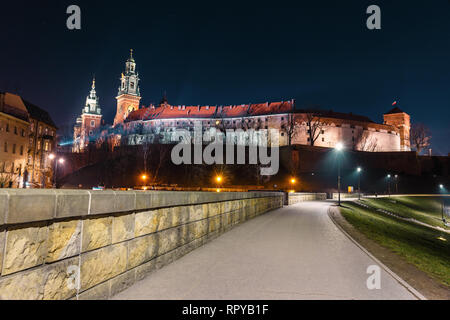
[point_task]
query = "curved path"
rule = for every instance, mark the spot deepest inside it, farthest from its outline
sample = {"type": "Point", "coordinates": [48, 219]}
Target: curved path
{"type": "Point", "coordinates": [295, 252]}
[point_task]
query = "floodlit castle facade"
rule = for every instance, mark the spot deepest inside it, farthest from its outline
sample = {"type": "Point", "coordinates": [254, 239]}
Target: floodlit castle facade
{"type": "Point", "coordinates": [245, 123]}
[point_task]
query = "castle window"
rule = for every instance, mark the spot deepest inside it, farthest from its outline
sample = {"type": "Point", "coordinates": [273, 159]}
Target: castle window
{"type": "Point", "coordinates": [323, 139]}
{"type": "Point", "coordinates": [21, 150]}
{"type": "Point", "coordinates": [90, 132]}
{"type": "Point", "coordinates": [15, 130]}
{"type": "Point", "coordinates": [282, 118]}
{"type": "Point", "coordinates": [92, 123]}
{"type": "Point", "coordinates": [23, 133]}
{"type": "Point", "coordinates": [132, 85]}
{"type": "Point", "coordinates": [7, 127]}
{"type": "Point", "coordinates": [14, 148]}
{"type": "Point", "coordinates": [323, 131]}
{"type": "Point", "coordinates": [6, 147]}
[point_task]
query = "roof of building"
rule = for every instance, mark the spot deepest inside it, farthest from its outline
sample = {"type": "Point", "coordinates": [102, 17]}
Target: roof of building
{"type": "Point", "coordinates": [13, 105]}
{"type": "Point", "coordinates": [395, 110]}
{"type": "Point", "coordinates": [166, 111]}
{"type": "Point", "coordinates": [339, 115]}
{"type": "Point", "coordinates": [38, 113]}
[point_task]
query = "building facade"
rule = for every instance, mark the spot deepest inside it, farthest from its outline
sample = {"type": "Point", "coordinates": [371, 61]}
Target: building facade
{"type": "Point", "coordinates": [27, 137]}
{"type": "Point", "coordinates": [41, 143]}
{"type": "Point", "coordinates": [246, 123]}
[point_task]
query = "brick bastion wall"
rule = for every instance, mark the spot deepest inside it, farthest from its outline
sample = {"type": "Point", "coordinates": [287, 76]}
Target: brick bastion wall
{"type": "Point", "coordinates": [77, 244]}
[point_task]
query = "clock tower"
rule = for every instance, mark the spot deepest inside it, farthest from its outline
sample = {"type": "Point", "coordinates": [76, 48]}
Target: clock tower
{"type": "Point", "coordinates": [129, 96]}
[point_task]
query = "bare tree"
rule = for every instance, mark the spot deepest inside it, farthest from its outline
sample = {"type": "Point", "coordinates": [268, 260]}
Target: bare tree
{"type": "Point", "coordinates": [363, 141]}
{"type": "Point", "coordinates": [315, 125]}
{"type": "Point", "coordinates": [419, 136]}
{"type": "Point", "coordinates": [291, 128]}
{"type": "Point", "coordinates": [146, 147]}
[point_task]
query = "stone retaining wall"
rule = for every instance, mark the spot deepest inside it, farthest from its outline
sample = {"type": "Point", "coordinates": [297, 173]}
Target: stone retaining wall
{"type": "Point", "coordinates": [110, 239]}
{"type": "Point", "coordinates": [299, 197]}
{"type": "Point", "coordinates": [346, 195]}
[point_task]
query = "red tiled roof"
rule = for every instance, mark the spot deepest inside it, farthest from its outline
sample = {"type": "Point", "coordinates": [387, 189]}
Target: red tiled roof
{"type": "Point", "coordinates": [235, 111]}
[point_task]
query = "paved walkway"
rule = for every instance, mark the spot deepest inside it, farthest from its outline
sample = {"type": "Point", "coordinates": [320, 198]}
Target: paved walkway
{"type": "Point", "coordinates": [291, 253]}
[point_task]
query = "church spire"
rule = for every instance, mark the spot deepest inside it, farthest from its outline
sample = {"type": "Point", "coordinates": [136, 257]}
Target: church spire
{"type": "Point", "coordinates": [129, 81]}
{"type": "Point", "coordinates": [93, 82]}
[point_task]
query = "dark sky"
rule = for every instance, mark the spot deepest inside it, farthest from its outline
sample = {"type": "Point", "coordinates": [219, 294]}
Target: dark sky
{"type": "Point", "coordinates": [223, 52]}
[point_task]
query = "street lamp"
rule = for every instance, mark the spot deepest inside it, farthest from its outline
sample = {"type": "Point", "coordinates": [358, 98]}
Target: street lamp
{"type": "Point", "coordinates": [58, 161]}
{"type": "Point", "coordinates": [389, 185]}
{"type": "Point", "coordinates": [441, 190]}
{"type": "Point", "coordinates": [396, 183]}
{"type": "Point", "coordinates": [359, 182]}
{"type": "Point", "coordinates": [339, 147]}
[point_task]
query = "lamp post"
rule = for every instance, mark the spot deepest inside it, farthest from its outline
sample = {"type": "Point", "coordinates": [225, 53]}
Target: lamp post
{"type": "Point", "coordinates": [144, 178]}
{"type": "Point", "coordinates": [359, 182]}
{"type": "Point", "coordinates": [339, 147]}
{"type": "Point", "coordinates": [389, 185]}
{"type": "Point", "coordinates": [396, 183]}
{"type": "Point", "coordinates": [441, 189]}
{"type": "Point", "coordinates": [61, 161]}
{"type": "Point", "coordinates": [219, 180]}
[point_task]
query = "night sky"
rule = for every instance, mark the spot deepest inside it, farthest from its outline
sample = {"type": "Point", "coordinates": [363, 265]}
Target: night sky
{"type": "Point", "coordinates": [224, 52]}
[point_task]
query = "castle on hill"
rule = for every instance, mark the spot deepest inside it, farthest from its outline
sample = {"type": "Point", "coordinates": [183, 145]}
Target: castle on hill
{"type": "Point", "coordinates": [135, 124]}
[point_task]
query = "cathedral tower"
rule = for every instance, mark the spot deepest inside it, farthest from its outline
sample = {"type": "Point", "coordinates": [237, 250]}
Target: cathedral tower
{"type": "Point", "coordinates": [129, 96]}
{"type": "Point", "coordinates": [88, 124]}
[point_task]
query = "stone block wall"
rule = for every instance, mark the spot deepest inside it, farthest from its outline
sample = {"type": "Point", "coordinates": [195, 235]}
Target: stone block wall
{"type": "Point", "coordinates": [346, 195]}
{"type": "Point", "coordinates": [300, 197]}
{"type": "Point", "coordinates": [73, 244]}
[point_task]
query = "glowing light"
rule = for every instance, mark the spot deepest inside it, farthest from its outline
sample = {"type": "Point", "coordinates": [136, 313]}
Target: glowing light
{"type": "Point", "coordinates": [293, 180]}
{"type": "Point", "coordinates": [388, 175]}
{"type": "Point", "coordinates": [217, 122]}
{"type": "Point", "coordinates": [339, 146]}
{"type": "Point", "coordinates": [61, 160]}
{"type": "Point", "coordinates": [441, 186]}
{"type": "Point", "coordinates": [359, 169]}
{"type": "Point", "coordinates": [219, 179]}
{"type": "Point", "coordinates": [442, 238]}
{"type": "Point", "coordinates": [144, 177]}
{"type": "Point", "coordinates": [51, 156]}
{"type": "Point", "coordinates": [217, 190]}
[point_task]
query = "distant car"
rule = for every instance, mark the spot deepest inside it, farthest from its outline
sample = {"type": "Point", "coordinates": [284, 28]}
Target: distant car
{"type": "Point", "coordinates": [98, 188]}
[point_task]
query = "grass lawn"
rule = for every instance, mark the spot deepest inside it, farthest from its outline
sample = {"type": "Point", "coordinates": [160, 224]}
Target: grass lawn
{"type": "Point", "coordinates": [416, 244]}
{"type": "Point", "coordinates": [424, 209]}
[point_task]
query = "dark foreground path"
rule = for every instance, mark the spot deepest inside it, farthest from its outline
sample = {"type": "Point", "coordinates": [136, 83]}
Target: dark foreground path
{"type": "Point", "coordinates": [291, 253]}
